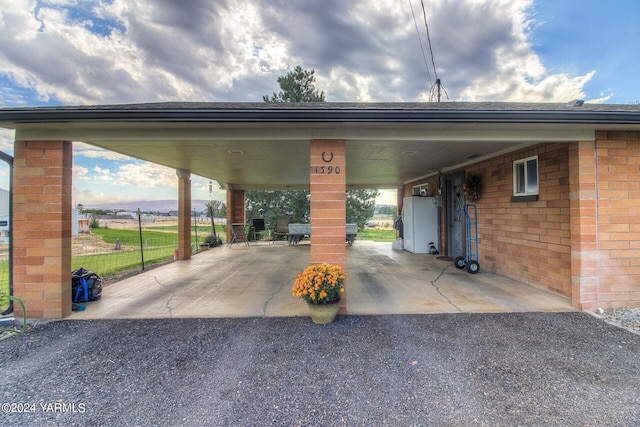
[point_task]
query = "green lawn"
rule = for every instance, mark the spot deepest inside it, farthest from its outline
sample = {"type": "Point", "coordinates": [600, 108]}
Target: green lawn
{"type": "Point", "coordinates": [377, 235]}
{"type": "Point", "coordinates": [221, 229]}
{"type": "Point", "coordinates": [117, 261]}
{"type": "Point", "coordinates": [154, 238]}
{"type": "Point", "coordinates": [132, 237]}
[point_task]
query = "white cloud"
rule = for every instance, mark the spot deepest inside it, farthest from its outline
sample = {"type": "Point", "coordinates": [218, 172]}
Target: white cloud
{"type": "Point", "coordinates": [145, 176]}
{"type": "Point", "coordinates": [80, 173]}
{"type": "Point", "coordinates": [81, 149]}
{"type": "Point", "coordinates": [6, 140]}
{"type": "Point", "coordinates": [233, 50]}
{"type": "Point", "coordinates": [101, 174]}
{"type": "Point", "coordinates": [119, 51]}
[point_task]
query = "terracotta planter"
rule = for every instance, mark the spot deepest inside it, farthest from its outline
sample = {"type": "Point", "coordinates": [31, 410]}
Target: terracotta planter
{"type": "Point", "coordinates": [324, 313]}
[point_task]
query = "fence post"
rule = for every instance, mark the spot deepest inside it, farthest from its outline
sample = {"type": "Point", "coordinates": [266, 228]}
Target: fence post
{"type": "Point", "coordinates": [140, 231]}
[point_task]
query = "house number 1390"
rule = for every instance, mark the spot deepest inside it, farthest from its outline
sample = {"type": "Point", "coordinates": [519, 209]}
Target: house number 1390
{"type": "Point", "coordinates": [328, 170]}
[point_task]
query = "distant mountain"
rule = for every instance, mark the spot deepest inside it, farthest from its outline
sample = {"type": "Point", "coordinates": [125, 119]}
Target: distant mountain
{"type": "Point", "coordinates": [161, 206]}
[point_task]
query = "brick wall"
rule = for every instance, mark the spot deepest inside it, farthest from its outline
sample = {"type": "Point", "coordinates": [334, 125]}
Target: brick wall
{"type": "Point", "coordinates": [527, 241]}
{"type": "Point", "coordinates": [618, 211]}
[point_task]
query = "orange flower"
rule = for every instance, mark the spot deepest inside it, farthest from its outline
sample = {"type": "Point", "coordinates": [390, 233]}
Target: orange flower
{"type": "Point", "coordinates": [319, 283]}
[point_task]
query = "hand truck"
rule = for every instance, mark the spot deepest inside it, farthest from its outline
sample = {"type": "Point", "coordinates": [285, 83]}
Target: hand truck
{"type": "Point", "coordinates": [471, 260]}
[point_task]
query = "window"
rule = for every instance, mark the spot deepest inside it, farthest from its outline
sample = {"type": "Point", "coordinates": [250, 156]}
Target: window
{"type": "Point", "coordinates": [525, 177]}
{"type": "Point", "coordinates": [421, 190]}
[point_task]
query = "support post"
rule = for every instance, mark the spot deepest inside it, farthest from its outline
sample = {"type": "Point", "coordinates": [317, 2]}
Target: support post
{"type": "Point", "coordinates": [328, 205]}
{"type": "Point", "coordinates": [184, 214]}
{"type": "Point", "coordinates": [41, 227]}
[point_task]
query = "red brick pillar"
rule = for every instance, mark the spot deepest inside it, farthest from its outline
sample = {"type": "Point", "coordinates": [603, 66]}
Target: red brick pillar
{"type": "Point", "coordinates": [41, 227]}
{"type": "Point", "coordinates": [328, 205]}
{"type": "Point", "coordinates": [583, 223]}
{"type": "Point", "coordinates": [184, 214]}
{"type": "Point", "coordinates": [618, 180]}
{"type": "Point", "coordinates": [236, 209]}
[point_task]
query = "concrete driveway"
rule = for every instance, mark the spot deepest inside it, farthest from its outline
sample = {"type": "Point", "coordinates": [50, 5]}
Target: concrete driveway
{"type": "Point", "coordinates": [256, 281]}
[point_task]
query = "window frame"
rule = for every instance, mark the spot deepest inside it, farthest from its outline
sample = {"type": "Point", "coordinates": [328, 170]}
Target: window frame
{"type": "Point", "coordinates": [422, 190]}
{"type": "Point", "coordinates": [523, 163]}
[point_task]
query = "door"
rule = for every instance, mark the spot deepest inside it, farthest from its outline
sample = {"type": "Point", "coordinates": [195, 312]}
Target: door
{"type": "Point", "coordinates": [455, 215]}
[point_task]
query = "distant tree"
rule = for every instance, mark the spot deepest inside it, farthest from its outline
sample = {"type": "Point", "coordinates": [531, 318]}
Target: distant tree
{"type": "Point", "coordinates": [219, 209]}
{"type": "Point", "coordinates": [388, 210]}
{"type": "Point", "coordinates": [360, 206]}
{"type": "Point", "coordinates": [215, 209]}
{"type": "Point", "coordinates": [294, 203]}
{"type": "Point", "coordinates": [94, 222]}
{"type": "Point", "coordinates": [297, 86]}
{"type": "Point", "coordinates": [97, 212]}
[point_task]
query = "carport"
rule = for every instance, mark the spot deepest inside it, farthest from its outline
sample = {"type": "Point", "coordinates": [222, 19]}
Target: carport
{"type": "Point", "coordinates": [256, 281]}
{"type": "Point", "coordinates": [330, 147]}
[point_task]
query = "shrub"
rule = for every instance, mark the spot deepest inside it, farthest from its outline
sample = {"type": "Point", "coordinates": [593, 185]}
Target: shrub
{"type": "Point", "coordinates": [213, 241]}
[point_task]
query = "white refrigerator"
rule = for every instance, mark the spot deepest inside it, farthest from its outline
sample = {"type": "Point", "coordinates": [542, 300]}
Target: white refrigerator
{"type": "Point", "coordinates": [420, 224]}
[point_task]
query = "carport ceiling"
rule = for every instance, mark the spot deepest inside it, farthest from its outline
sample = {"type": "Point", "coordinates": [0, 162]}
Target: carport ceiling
{"type": "Point", "coordinates": [266, 146]}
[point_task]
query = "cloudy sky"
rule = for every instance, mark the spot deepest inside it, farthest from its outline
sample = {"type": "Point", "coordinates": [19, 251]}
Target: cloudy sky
{"type": "Point", "coordinates": [73, 52]}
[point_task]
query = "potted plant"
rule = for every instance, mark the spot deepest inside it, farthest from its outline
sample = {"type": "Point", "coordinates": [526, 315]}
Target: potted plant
{"type": "Point", "coordinates": [320, 286]}
{"type": "Point", "coordinates": [471, 187]}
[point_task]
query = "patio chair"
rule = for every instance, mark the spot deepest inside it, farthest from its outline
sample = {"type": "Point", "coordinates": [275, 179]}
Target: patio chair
{"type": "Point", "coordinates": [281, 231]}
{"type": "Point", "coordinates": [258, 227]}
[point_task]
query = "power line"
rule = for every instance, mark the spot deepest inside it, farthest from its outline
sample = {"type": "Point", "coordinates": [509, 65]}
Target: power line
{"type": "Point", "coordinates": [424, 14]}
{"type": "Point", "coordinates": [437, 89]}
{"type": "Point", "coordinates": [424, 56]}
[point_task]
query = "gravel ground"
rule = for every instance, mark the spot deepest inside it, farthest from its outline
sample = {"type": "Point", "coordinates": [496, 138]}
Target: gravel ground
{"type": "Point", "coordinates": [625, 317]}
{"type": "Point", "coordinates": [568, 369]}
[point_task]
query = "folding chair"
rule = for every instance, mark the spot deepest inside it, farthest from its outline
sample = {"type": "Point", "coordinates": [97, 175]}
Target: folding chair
{"type": "Point", "coordinates": [282, 228]}
{"type": "Point", "coordinates": [238, 234]}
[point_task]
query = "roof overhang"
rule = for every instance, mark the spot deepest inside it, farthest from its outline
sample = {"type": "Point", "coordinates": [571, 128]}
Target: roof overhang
{"type": "Point", "coordinates": [266, 146]}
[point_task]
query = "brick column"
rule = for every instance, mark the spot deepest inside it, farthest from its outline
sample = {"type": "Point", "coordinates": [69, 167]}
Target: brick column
{"type": "Point", "coordinates": [583, 223]}
{"type": "Point", "coordinates": [618, 180]}
{"type": "Point", "coordinates": [41, 227]}
{"type": "Point", "coordinates": [236, 209]}
{"type": "Point", "coordinates": [328, 205]}
{"type": "Point", "coordinates": [184, 214]}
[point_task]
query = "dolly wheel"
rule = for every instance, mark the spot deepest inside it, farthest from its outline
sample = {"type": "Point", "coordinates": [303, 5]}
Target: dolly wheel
{"type": "Point", "coordinates": [473, 267]}
{"type": "Point", "coordinates": [460, 262]}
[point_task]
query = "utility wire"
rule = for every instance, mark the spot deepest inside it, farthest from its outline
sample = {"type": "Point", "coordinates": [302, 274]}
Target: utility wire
{"type": "Point", "coordinates": [424, 14]}
{"type": "Point", "coordinates": [424, 56]}
{"type": "Point", "coordinates": [437, 88]}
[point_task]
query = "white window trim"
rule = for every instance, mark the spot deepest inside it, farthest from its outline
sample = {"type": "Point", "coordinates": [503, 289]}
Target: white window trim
{"type": "Point", "coordinates": [421, 190]}
{"type": "Point", "coordinates": [515, 176]}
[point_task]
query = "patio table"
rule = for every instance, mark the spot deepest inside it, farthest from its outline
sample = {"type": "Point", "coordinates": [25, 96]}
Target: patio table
{"type": "Point", "coordinates": [298, 231]}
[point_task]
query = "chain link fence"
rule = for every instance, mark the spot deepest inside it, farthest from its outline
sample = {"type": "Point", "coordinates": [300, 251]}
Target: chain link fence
{"type": "Point", "coordinates": [122, 247]}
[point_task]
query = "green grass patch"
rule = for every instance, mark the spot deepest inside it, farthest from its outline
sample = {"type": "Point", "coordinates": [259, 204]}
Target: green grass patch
{"type": "Point", "coordinates": [221, 229]}
{"type": "Point", "coordinates": [132, 237]}
{"type": "Point", "coordinates": [117, 261]}
{"type": "Point", "coordinates": [377, 235]}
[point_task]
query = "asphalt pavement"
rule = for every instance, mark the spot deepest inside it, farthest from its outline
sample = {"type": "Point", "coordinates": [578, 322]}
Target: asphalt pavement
{"type": "Point", "coordinates": [568, 369]}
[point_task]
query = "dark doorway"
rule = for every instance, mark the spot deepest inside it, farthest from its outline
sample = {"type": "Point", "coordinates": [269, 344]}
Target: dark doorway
{"type": "Point", "coordinates": [454, 218]}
